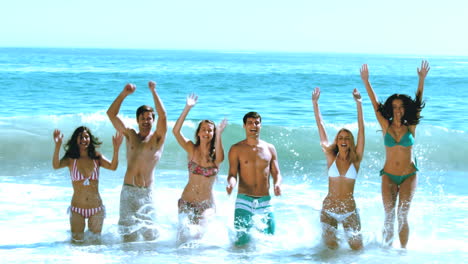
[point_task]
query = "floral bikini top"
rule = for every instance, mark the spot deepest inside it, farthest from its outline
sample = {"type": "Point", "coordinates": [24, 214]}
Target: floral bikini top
{"type": "Point", "coordinates": [204, 171]}
{"type": "Point", "coordinates": [77, 176]}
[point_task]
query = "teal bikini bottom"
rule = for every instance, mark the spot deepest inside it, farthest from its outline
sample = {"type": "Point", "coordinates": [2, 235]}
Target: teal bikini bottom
{"type": "Point", "coordinates": [397, 179]}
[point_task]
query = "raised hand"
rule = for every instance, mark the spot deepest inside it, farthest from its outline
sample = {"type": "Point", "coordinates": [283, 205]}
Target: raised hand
{"type": "Point", "coordinates": [129, 88]}
{"type": "Point", "coordinates": [192, 100]}
{"type": "Point", "coordinates": [152, 85]}
{"type": "Point", "coordinates": [117, 140]}
{"type": "Point", "coordinates": [356, 95]}
{"type": "Point", "coordinates": [364, 73]}
{"type": "Point", "coordinates": [222, 126]}
{"type": "Point", "coordinates": [58, 137]}
{"type": "Point", "coordinates": [422, 72]}
{"type": "Point", "coordinates": [316, 95]}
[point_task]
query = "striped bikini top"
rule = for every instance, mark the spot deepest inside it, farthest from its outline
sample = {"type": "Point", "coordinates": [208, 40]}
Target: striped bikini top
{"type": "Point", "coordinates": [77, 176]}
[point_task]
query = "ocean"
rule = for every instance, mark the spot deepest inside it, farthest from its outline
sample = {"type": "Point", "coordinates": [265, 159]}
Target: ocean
{"type": "Point", "coordinates": [43, 89]}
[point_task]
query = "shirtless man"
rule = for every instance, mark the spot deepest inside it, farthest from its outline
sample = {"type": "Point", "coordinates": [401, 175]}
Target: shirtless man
{"type": "Point", "coordinates": [144, 149]}
{"type": "Point", "coordinates": [254, 160]}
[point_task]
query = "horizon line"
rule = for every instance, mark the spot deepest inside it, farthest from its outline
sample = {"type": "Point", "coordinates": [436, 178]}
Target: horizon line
{"type": "Point", "coordinates": [240, 51]}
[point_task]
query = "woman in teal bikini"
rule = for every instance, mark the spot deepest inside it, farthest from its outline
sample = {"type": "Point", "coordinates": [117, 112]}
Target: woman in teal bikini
{"type": "Point", "coordinates": [398, 117]}
{"type": "Point", "coordinates": [205, 156]}
{"type": "Point", "coordinates": [343, 162]}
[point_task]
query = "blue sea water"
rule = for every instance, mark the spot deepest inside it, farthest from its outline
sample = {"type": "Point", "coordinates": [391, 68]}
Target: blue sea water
{"type": "Point", "coordinates": [44, 89]}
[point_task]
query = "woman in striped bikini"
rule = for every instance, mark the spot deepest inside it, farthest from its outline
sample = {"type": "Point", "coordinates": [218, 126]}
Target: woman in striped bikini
{"type": "Point", "coordinates": [205, 155]}
{"type": "Point", "coordinates": [398, 117]}
{"type": "Point", "coordinates": [84, 162]}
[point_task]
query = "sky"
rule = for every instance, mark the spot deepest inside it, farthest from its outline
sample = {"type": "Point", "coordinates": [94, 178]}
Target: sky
{"type": "Point", "coordinates": [430, 27]}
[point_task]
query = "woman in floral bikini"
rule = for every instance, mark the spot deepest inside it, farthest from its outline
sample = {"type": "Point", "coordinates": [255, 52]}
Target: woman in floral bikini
{"type": "Point", "coordinates": [205, 156]}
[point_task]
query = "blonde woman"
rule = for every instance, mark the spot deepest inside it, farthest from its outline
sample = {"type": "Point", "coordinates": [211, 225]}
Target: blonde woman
{"type": "Point", "coordinates": [343, 161]}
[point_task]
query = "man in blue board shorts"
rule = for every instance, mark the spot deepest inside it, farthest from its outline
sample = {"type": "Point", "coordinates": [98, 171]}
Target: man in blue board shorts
{"type": "Point", "coordinates": [253, 160]}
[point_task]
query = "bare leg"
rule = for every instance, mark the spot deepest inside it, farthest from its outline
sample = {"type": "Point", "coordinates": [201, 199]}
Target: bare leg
{"type": "Point", "coordinates": [407, 190]}
{"type": "Point", "coordinates": [183, 231]}
{"type": "Point", "coordinates": [389, 196]}
{"type": "Point", "coordinates": [150, 234]}
{"type": "Point", "coordinates": [204, 221]}
{"type": "Point", "coordinates": [95, 222]}
{"type": "Point", "coordinates": [192, 225]}
{"type": "Point", "coordinates": [329, 228]}
{"type": "Point", "coordinates": [77, 225]}
{"type": "Point", "coordinates": [352, 226]}
{"type": "Point", "coordinates": [132, 237]}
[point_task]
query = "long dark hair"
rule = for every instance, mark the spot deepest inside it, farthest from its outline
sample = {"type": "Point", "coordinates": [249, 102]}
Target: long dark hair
{"type": "Point", "coordinates": [73, 151]}
{"type": "Point", "coordinates": [213, 140]}
{"type": "Point", "coordinates": [412, 108]}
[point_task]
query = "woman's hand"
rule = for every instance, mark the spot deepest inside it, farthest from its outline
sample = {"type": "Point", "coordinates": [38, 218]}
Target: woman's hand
{"type": "Point", "coordinates": [364, 73]}
{"type": "Point", "coordinates": [357, 95]}
{"type": "Point", "coordinates": [222, 126]}
{"type": "Point", "coordinates": [117, 140]}
{"type": "Point", "coordinates": [58, 137]}
{"type": "Point", "coordinates": [191, 100]}
{"type": "Point", "coordinates": [316, 95]}
{"type": "Point", "coordinates": [422, 72]}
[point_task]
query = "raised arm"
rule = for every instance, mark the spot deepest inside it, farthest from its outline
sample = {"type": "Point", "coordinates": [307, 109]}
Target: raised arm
{"type": "Point", "coordinates": [422, 73]}
{"type": "Point", "coordinates": [361, 134]}
{"type": "Point", "coordinates": [176, 130]}
{"type": "Point", "coordinates": [161, 125]}
{"type": "Point", "coordinates": [233, 169]}
{"type": "Point", "coordinates": [116, 142]}
{"type": "Point", "coordinates": [318, 118]}
{"type": "Point", "coordinates": [114, 109]}
{"type": "Point", "coordinates": [275, 171]}
{"type": "Point", "coordinates": [373, 97]}
{"type": "Point", "coordinates": [56, 162]}
{"type": "Point", "coordinates": [219, 142]}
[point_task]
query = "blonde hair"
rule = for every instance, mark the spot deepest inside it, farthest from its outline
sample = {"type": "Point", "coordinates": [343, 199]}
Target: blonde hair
{"type": "Point", "coordinates": [333, 148]}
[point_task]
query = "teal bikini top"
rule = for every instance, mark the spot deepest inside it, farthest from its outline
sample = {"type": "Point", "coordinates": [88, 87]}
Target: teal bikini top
{"type": "Point", "coordinates": [406, 140]}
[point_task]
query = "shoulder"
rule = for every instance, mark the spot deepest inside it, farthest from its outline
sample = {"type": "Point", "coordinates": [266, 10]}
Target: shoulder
{"type": "Point", "coordinates": [99, 155]}
{"type": "Point", "coordinates": [190, 147]}
{"type": "Point", "coordinates": [157, 140]}
{"type": "Point", "coordinates": [66, 160]}
{"type": "Point", "coordinates": [412, 129]}
{"type": "Point", "coordinates": [268, 145]}
{"type": "Point", "coordinates": [324, 145]}
{"type": "Point", "coordinates": [129, 132]}
{"type": "Point", "coordinates": [236, 147]}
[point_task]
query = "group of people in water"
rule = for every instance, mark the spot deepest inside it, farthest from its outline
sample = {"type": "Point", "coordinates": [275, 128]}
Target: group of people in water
{"type": "Point", "coordinates": [252, 162]}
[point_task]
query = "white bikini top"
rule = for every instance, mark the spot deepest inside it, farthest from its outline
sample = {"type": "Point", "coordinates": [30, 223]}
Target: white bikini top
{"type": "Point", "coordinates": [350, 174]}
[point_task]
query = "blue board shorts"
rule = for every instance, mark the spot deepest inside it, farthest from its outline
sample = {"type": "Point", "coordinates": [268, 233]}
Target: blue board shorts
{"type": "Point", "coordinates": [246, 208]}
